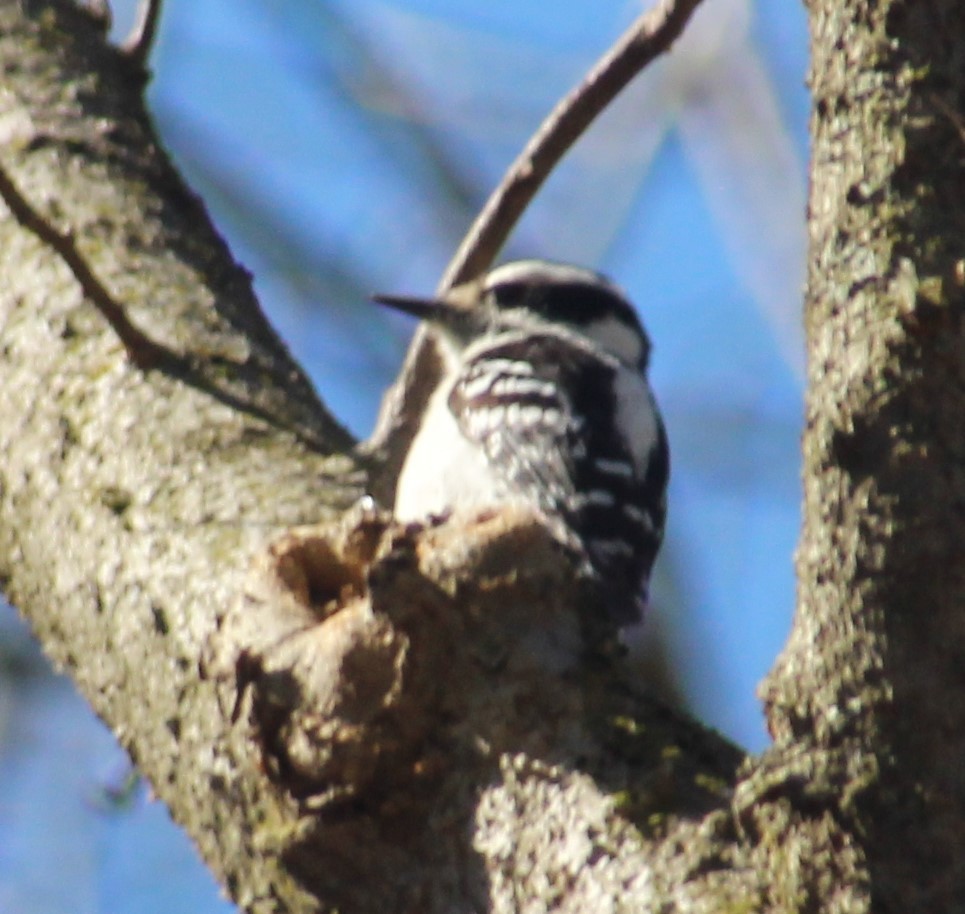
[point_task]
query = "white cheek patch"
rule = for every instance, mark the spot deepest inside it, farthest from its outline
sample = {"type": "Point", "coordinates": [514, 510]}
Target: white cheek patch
{"type": "Point", "coordinates": [637, 414]}
{"type": "Point", "coordinates": [616, 338]}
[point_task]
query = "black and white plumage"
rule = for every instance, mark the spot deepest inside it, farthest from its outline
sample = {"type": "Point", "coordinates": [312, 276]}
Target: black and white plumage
{"type": "Point", "coordinates": [544, 402]}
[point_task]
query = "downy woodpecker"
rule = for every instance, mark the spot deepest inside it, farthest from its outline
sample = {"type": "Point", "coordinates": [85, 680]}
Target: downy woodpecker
{"type": "Point", "coordinates": [543, 402]}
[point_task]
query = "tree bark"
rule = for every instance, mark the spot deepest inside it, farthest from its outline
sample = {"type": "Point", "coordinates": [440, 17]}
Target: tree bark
{"type": "Point", "coordinates": [346, 714]}
{"type": "Point", "coordinates": [865, 701]}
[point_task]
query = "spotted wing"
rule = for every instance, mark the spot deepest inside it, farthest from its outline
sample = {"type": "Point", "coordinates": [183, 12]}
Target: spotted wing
{"type": "Point", "coordinates": [544, 408]}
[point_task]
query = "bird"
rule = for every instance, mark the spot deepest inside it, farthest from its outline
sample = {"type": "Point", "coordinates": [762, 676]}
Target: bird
{"type": "Point", "coordinates": [543, 402]}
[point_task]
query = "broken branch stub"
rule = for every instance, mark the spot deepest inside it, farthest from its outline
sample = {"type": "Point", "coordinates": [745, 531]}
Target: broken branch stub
{"type": "Point", "coordinates": [361, 651]}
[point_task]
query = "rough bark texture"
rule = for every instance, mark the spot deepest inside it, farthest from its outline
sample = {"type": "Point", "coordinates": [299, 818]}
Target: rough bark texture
{"type": "Point", "coordinates": [346, 714]}
{"type": "Point", "coordinates": [866, 701]}
{"type": "Point", "coordinates": [359, 717]}
{"type": "Point", "coordinates": [130, 502]}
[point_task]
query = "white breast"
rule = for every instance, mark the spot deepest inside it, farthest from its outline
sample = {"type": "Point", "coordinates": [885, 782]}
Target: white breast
{"type": "Point", "coordinates": [444, 469]}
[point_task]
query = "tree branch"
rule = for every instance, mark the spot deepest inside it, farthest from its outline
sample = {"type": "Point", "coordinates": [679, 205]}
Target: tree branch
{"type": "Point", "coordinates": [207, 373]}
{"type": "Point", "coordinates": [650, 35]}
{"type": "Point", "coordinates": [146, 530]}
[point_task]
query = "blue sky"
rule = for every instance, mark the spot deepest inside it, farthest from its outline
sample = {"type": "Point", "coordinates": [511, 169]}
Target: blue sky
{"type": "Point", "coordinates": [342, 148]}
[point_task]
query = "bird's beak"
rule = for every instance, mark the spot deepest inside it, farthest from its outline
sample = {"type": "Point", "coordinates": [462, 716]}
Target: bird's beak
{"type": "Point", "coordinates": [427, 309]}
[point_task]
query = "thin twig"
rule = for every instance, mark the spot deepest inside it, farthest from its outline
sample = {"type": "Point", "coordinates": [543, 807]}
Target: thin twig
{"type": "Point", "coordinates": [142, 351]}
{"type": "Point", "coordinates": [649, 36]}
{"type": "Point", "coordinates": [137, 46]}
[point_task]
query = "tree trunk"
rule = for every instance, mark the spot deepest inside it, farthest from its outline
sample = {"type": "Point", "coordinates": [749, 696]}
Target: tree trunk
{"type": "Point", "coordinates": [345, 714]}
{"type": "Point", "coordinates": [865, 702]}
